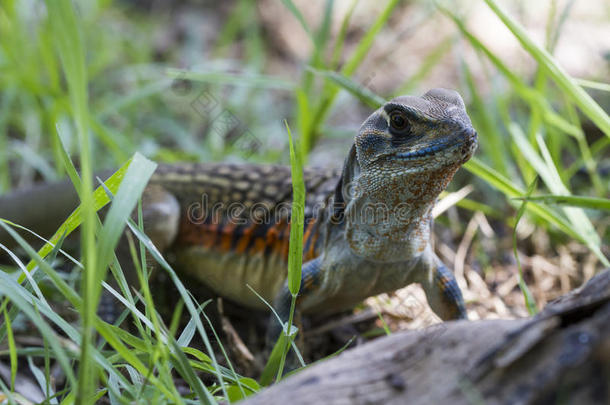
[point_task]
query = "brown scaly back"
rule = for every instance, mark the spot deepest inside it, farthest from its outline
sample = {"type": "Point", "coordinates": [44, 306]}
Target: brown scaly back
{"type": "Point", "coordinates": [244, 208]}
{"type": "Point", "coordinates": [247, 185]}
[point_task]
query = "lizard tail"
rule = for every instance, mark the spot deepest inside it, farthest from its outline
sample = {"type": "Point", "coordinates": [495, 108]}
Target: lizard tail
{"type": "Point", "coordinates": [41, 208]}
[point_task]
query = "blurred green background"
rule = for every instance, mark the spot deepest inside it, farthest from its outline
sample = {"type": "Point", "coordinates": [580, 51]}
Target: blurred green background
{"type": "Point", "coordinates": [209, 81]}
{"type": "Point", "coordinates": [212, 81]}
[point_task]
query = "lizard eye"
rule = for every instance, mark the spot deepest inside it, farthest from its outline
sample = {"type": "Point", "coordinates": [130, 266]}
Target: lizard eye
{"type": "Point", "coordinates": [399, 122]}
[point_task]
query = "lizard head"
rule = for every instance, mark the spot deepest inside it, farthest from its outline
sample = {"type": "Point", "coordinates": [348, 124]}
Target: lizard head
{"type": "Point", "coordinates": [416, 134]}
{"type": "Point", "coordinates": [404, 155]}
{"type": "Point", "coordinates": [411, 141]}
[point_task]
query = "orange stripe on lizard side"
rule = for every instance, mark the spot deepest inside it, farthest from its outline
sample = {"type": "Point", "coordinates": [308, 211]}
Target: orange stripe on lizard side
{"type": "Point", "coordinates": [308, 229]}
{"type": "Point", "coordinates": [273, 233]}
{"type": "Point", "coordinates": [202, 234]}
{"type": "Point", "coordinates": [309, 240]}
{"type": "Point", "coordinates": [227, 236]}
{"type": "Point", "coordinates": [259, 245]}
{"type": "Point", "coordinates": [253, 238]}
{"type": "Point", "coordinates": [277, 239]}
{"type": "Point", "coordinates": [209, 234]}
{"type": "Point", "coordinates": [190, 233]}
{"type": "Point", "coordinates": [244, 240]}
{"type": "Point", "coordinates": [312, 248]}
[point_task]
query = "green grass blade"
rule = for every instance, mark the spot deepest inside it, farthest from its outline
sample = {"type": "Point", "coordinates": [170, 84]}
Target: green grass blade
{"type": "Point", "coordinates": [299, 16]}
{"type": "Point", "coordinates": [129, 356]}
{"type": "Point", "coordinates": [574, 201]}
{"type": "Point", "coordinates": [295, 255]}
{"type": "Point", "coordinates": [303, 120]}
{"type": "Point", "coordinates": [527, 295]}
{"type": "Point", "coordinates": [428, 63]}
{"type": "Point", "coordinates": [366, 42]}
{"type": "Point", "coordinates": [340, 41]}
{"type": "Point", "coordinates": [330, 356]}
{"type": "Point", "coordinates": [188, 333]}
{"type": "Point", "coordinates": [593, 84]}
{"type": "Point", "coordinates": [76, 301]}
{"type": "Point", "coordinates": [116, 104]}
{"type": "Point", "coordinates": [507, 187]}
{"type": "Point", "coordinates": [587, 157]}
{"type": "Point", "coordinates": [66, 34]}
{"type": "Point", "coordinates": [295, 249]}
{"type": "Point", "coordinates": [234, 79]}
{"type": "Point", "coordinates": [226, 356]}
{"type": "Point", "coordinates": [13, 291]}
{"type": "Point", "coordinates": [61, 285]}
{"type": "Point", "coordinates": [274, 363]}
{"type": "Point", "coordinates": [360, 92]}
{"type": "Point", "coordinates": [5, 175]}
{"type": "Point", "coordinates": [492, 140]}
{"type": "Point", "coordinates": [100, 199]}
{"type": "Point", "coordinates": [237, 394]}
{"type": "Point", "coordinates": [323, 34]}
{"type": "Point", "coordinates": [12, 349]}
{"type": "Point", "coordinates": [136, 177]}
{"type": "Point", "coordinates": [68, 166]}
{"type": "Point", "coordinates": [43, 379]}
{"type": "Point", "coordinates": [588, 106]}
{"type": "Point", "coordinates": [528, 93]}
{"type": "Point", "coordinates": [531, 156]}
{"type": "Point", "coordinates": [187, 372]}
{"type": "Point", "coordinates": [547, 171]}
{"type": "Point", "coordinates": [184, 294]}
{"type": "Point", "coordinates": [553, 32]}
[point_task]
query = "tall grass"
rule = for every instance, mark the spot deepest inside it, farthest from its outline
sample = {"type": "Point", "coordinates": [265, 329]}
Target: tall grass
{"type": "Point", "coordinates": [65, 94]}
{"type": "Point", "coordinates": [546, 125]}
{"type": "Point", "coordinates": [297, 221]}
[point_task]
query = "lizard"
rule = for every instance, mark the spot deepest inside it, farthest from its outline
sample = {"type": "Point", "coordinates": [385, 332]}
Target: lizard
{"type": "Point", "coordinates": [367, 226]}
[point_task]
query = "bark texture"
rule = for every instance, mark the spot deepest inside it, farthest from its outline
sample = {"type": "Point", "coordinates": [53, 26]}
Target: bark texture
{"type": "Point", "coordinates": [560, 356]}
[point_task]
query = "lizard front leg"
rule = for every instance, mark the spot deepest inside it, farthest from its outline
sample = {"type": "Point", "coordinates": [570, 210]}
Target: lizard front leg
{"type": "Point", "coordinates": [311, 276]}
{"type": "Point", "coordinates": [442, 291]}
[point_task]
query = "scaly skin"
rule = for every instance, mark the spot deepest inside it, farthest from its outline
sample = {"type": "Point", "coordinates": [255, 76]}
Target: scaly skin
{"type": "Point", "coordinates": [367, 227]}
{"type": "Point", "coordinates": [377, 238]}
{"type": "Point", "coordinates": [227, 249]}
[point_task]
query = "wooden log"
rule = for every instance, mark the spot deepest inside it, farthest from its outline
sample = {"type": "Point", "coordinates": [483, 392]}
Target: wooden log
{"type": "Point", "coordinates": [561, 355]}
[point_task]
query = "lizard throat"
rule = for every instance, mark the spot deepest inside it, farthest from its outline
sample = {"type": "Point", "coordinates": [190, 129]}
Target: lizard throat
{"type": "Point", "coordinates": [389, 219]}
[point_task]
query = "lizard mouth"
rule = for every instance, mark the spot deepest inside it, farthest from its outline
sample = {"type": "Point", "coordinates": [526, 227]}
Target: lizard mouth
{"type": "Point", "coordinates": [454, 151]}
